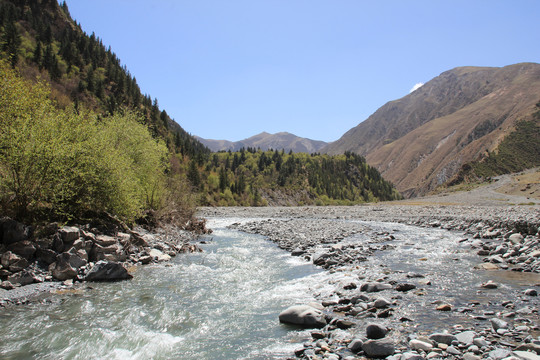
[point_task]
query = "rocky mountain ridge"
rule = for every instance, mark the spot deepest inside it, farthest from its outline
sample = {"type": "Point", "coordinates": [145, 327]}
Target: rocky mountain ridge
{"type": "Point", "coordinates": [266, 141]}
{"type": "Point", "coordinates": [421, 140]}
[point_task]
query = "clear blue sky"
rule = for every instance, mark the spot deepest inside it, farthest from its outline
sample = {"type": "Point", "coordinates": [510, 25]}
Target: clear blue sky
{"type": "Point", "coordinates": [229, 69]}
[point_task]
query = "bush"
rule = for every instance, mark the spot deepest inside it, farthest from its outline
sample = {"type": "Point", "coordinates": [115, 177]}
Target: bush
{"type": "Point", "coordinates": [64, 164]}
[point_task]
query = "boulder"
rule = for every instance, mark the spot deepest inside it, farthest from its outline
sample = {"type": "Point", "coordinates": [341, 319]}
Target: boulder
{"type": "Point", "coordinates": [379, 348]}
{"type": "Point", "coordinates": [69, 234]}
{"type": "Point", "coordinates": [376, 331]}
{"type": "Point", "coordinates": [13, 262]}
{"type": "Point", "coordinates": [529, 347]}
{"type": "Point", "coordinates": [24, 277]}
{"type": "Point", "coordinates": [23, 248]}
{"type": "Point", "coordinates": [498, 324]}
{"type": "Point", "coordinates": [381, 303]}
{"type": "Point", "coordinates": [107, 271]}
{"type": "Point", "coordinates": [526, 355]}
{"type": "Point", "coordinates": [73, 260]}
{"type": "Point", "coordinates": [303, 315]}
{"type": "Point", "coordinates": [63, 271]}
{"type": "Point", "coordinates": [104, 240]}
{"type": "Point", "coordinates": [516, 238]}
{"type": "Point", "coordinates": [47, 256]}
{"type": "Point", "coordinates": [12, 231]}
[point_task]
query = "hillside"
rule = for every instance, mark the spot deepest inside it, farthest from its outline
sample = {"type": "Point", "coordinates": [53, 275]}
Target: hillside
{"type": "Point", "coordinates": [254, 177]}
{"type": "Point", "coordinates": [265, 141]}
{"type": "Point", "coordinates": [421, 140]}
{"type": "Point", "coordinates": [43, 42]}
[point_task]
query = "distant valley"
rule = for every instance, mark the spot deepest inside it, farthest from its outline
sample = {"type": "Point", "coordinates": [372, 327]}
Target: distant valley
{"type": "Point", "coordinates": [266, 141]}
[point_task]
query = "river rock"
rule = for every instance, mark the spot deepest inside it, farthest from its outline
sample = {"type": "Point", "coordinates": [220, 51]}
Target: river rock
{"type": "Point", "coordinates": [356, 345]}
{"type": "Point", "coordinates": [471, 356]}
{"type": "Point", "coordinates": [13, 262]}
{"type": "Point", "coordinates": [466, 337]}
{"type": "Point", "coordinates": [410, 356]}
{"type": "Point", "coordinates": [12, 231]}
{"type": "Point", "coordinates": [530, 292]}
{"type": "Point", "coordinates": [516, 238]}
{"type": "Point", "coordinates": [104, 240]}
{"type": "Point", "coordinates": [529, 347]}
{"type": "Point", "coordinates": [444, 307]}
{"type": "Point", "coordinates": [381, 303]}
{"type": "Point", "coordinates": [24, 277]}
{"type": "Point", "coordinates": [63, 271]}
{"type": "Point", "coordinates": [416, 344]}
{"type": "Point", "coordinates": [526, 355]}
{"type": "Point", "coordinates": [69, 234]}
{"type": "Point", "coordinates": [489, 285]}
{"type": "Point", "coordinates": [303, 315]}
{"type": "Point", "coordinates": [379, 348]}
{"type": "Point", "coordinates": [498, 324]}
{"type": "Point", "coordinates": [107, 271]}
{"type": "Point", "coordinates": [23, 248]}
{"type": "Point", "coordinates": [443, 338]}
{"type": "Point", "coordinates": [374, 287]}
{"type": "Point", "coordinates": [376, 331]}
{"type": "Point", "coordinates": [159, 255]}
{"type": "Point", "coordinates": [499, 354]}
{"type": "Point", "coordinates": [405, 287]}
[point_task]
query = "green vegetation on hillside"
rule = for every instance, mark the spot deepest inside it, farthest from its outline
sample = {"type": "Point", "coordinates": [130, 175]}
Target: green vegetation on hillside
{"type": "Point", "coordinates": [518, 151]}
{"type": "Point", "coordinates": [62, 164]}
{"type": "Point", "coordinates": [253, 177]}
{"type": "Point", "coordinates": [40, 38]}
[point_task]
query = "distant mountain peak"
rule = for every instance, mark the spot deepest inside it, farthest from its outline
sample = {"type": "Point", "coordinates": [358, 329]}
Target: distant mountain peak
{"type": "Point", "coordinates": [264, 141]}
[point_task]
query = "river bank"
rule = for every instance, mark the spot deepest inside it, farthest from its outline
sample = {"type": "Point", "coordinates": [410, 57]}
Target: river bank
{"type": "Point", "coordinates": [380, 309]}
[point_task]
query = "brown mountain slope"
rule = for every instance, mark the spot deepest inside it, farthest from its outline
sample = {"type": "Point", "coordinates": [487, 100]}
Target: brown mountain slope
{"type": "Point", "coordinates": [422, 139]}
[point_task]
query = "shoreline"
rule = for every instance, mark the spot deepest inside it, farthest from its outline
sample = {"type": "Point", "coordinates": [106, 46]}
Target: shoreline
{"type": "Point", "coordinates": [501, 237]}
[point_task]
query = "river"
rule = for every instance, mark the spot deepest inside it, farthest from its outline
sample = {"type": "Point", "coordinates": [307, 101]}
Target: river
{"type": "Point", "coordinates": [224, 303]}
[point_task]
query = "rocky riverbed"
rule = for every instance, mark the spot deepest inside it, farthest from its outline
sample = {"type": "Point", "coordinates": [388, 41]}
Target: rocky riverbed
{"type": "Point", "coordinates": [35, 261]}
{"type": "Point", "coordinates": [369, 312]}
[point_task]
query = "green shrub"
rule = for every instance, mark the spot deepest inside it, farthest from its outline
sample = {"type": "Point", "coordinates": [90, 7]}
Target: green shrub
{"type": "Point", "coordinates": [66, 164]}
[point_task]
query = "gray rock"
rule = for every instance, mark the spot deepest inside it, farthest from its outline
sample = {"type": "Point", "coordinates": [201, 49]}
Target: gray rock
{"type": "Point", "coordinates": [63, 270]}
{"type": "Point", "coordinates": [489, 285]}
{"type": "Point", "coordinates": [107, 271]}
{"type": "Point", "coordinates": [69, 234]}
{"type": "Point", "coordinates": [13, 262]}
{"type": "Point", "coordinates": [443, 338]}
{"type": "Point", "coordinates": [381, 303]}
{"type": "Point", "coordinates": [516, 238]}
{"type": "Point", "coordinates": [466, 337]}
{"type": "Point", "coordinates": [480, 342]}
{"type": "Point", "coordinates": [12, 231]}
{"type": "Point", "coordinates": [376, 331]}
{"type": "Point", "coordinates": [411, 356]}
{"type": "Point", "coordinates": [498, 324]}
{"type": "Point", "coordinates": [104, 240]}
{"type": "Point", "coordinates": [356, 345]}
{"type": "Point", "coordinates": [471, 356]}
{"type": "Point", "coordinates": [47, 256]}
{"type": "Point", "coordinates": [23, 248]}
{"type": "Point", "coordinates": [405, 287]}
{"type": "Point", "coordinates": [73, 260]}
{"type": "Point", "coordinates": [24, 277]}
{"type": "Point", "coordinates": [374, 287]}
{"type": "Point", "coordinates": [453, 351]}
{"type": "Point", "coordinates": [526, 355]}
{"type": "Point", "coordinates": [499, 354]}
{"type": "Point", "coordinates": [416, 344]}
{"type": "Point", "coordinates": [529, 347]}
{"type": "Point", "coordinates": [379, 348]}
{"type": "Point", "coordinates": [531, 292]}
{"type": "Point", "coordinates": [304, 315]}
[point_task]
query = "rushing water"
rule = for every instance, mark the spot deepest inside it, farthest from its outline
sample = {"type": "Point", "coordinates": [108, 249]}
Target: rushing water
{"type": "Point", "coordinates": [219, 304]}
{"type": "Point", "coordinates": [224, 303]}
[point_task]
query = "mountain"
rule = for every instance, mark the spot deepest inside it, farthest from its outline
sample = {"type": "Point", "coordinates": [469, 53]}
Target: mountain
{"type": "Point", "coordinates": [41, 40]}
{"type": "Point", "coordinates": [266, 141]}
{"type": "Point", "coordinates": [422, 140]}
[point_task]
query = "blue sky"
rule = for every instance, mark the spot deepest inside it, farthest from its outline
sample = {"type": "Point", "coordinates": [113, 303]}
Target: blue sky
{"type": "Point", "coordinates": [229, 69]}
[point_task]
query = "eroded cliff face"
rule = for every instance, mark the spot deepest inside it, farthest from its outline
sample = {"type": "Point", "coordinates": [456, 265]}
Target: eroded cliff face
{"type": "Point", "coordinates": [422, 139]}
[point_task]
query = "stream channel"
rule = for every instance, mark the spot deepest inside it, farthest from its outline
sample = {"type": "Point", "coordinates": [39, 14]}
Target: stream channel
{"type": "Point", "coordinates": [224, 303]}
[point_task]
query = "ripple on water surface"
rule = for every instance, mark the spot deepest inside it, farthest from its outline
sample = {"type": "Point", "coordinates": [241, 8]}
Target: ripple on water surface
{"type": "Point", "coordinates": [219, 304]}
